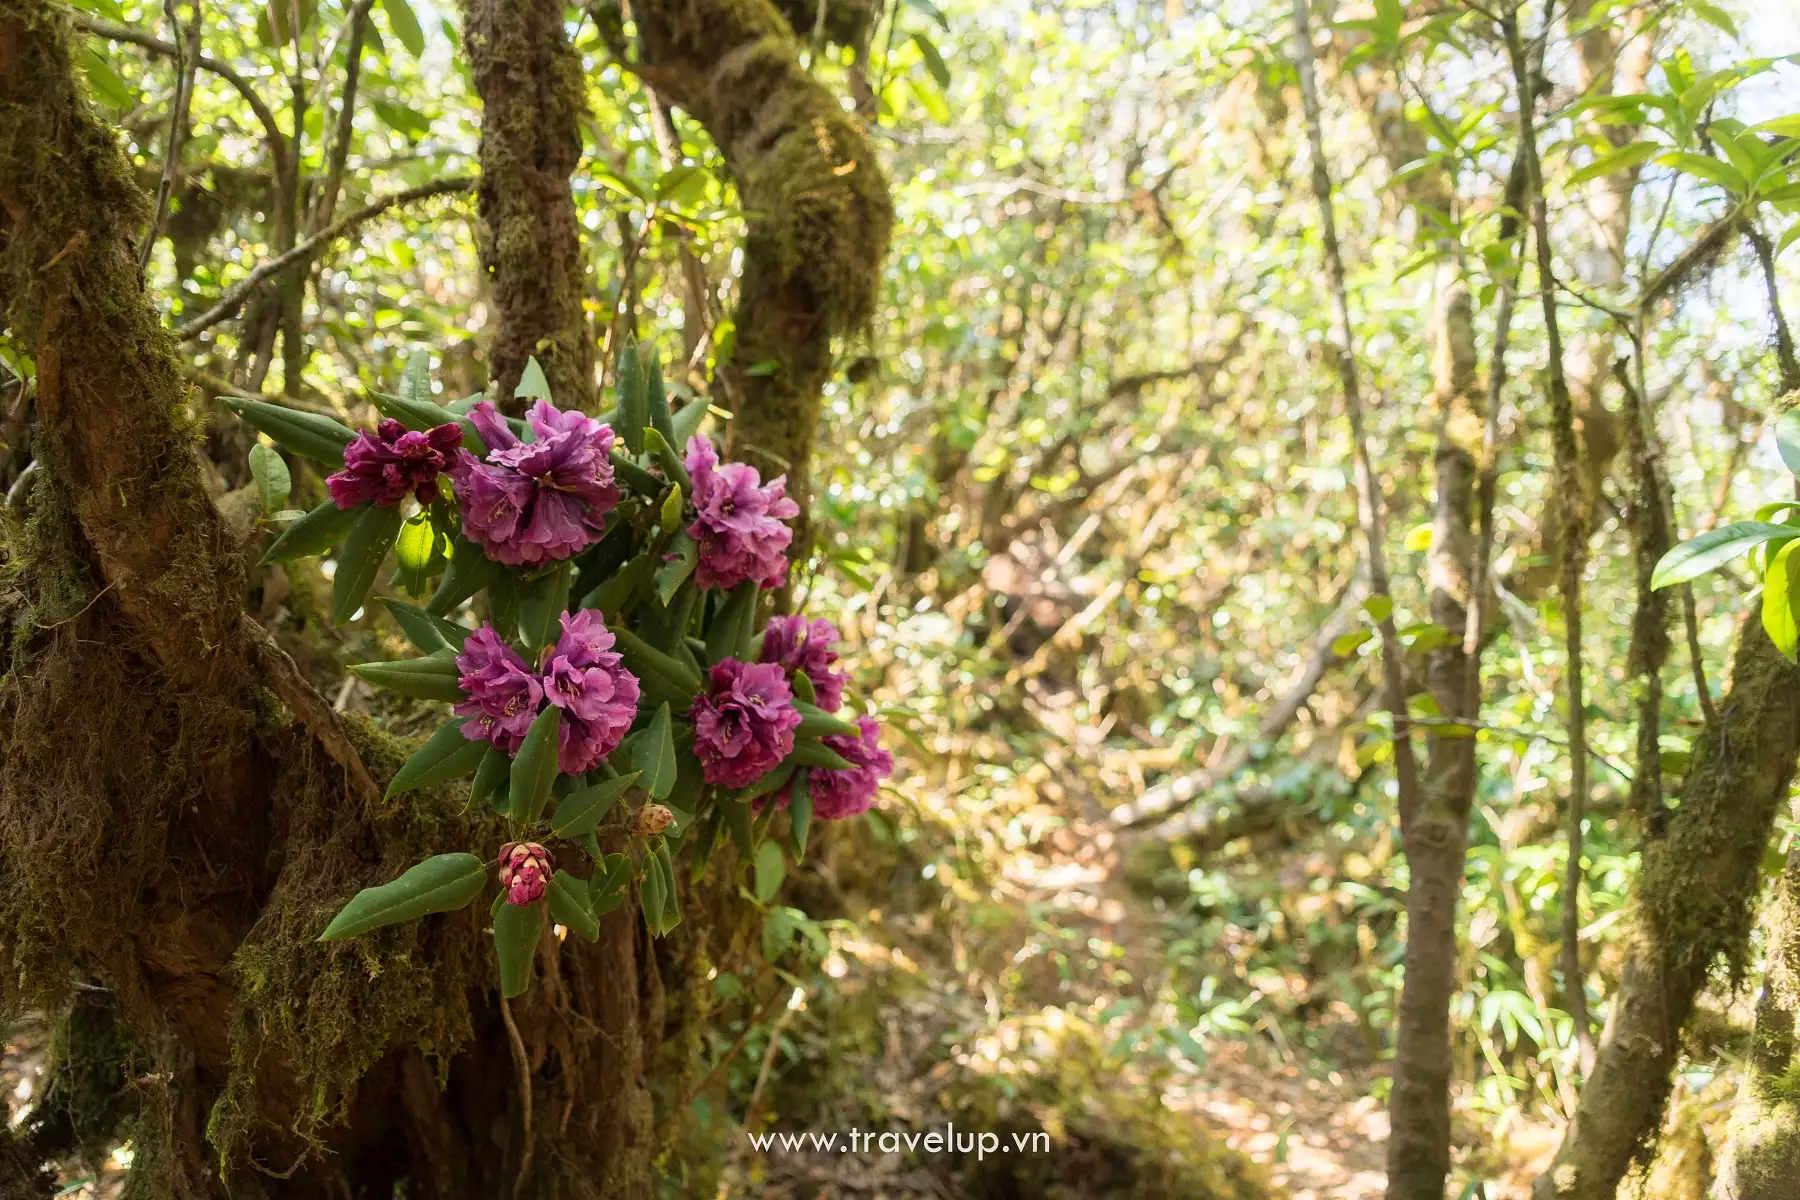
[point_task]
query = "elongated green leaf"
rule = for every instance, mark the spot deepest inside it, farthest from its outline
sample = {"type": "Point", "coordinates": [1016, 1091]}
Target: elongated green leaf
{"type": "Point", "coordinates": [737, 819]}
{"type": "Point", "coordinates": [651, 891]}
{"type": "Point", "coordinates": [656, 396]}
{"type": "Point", "coordinates": [416, 551]}
{"type": "Point", "coordinates": [581, 811]}
{"type": "Point", "coordinates": [732, 625]}
{"type": "Point", "coordinates": [809, 753]}
{"type": "Point", "coordinates": [318, 531]}
{"type": "Point", "coordinates": [273, 481]}
{"type": "Point", "coordinates": [653, 754]}
{"type": "Point", "coordinates": [771, 869]}
{"type": "Point", "coordinates": [534, 770]}
{"type": "Point", "coordinates": [432, 677]}
{"type": "Point", "coordinates": [360, 560]}
{"type": "Point", "coordinates": [1622, 159]}
{"type": "Point", "coordinates": [446, 755]}
{"type": "Point", "coordinates": [541, 602]}
{"type": "Point", "coordinates": [441, 884]}
{"type": "Point", "coordinates": [1781, 588]}
{"type": "Point", "coordinates": [635, 477]}
{"type": "Point", "coordinates": [773, 781]}
{"type": "Point", "coordinates": [816, 722]}
{"type": "Point", "coordinates": [607, 886]}
{"type": "Point", "coordinates": [647, 661]}
{"type": "Point", "coordinates": [704, 839]}
{"type": "Point", "coordinates": [686, 422]}
{"type": "Point", "coordinates": [799, 814]}
{"type": "Point", "coordinates": [429, 633]}
{"type": "Point", "coordinates": [633, 411]}
{"type": "Point", "coordinates": [658, 444]}
{"type": "Point", "coordinates": [491, 780]}
{"type": "Point", "coordinates": [405, 24]}
{"type": "Point", "coordinates": [1697, 556]}
{"type": "Point", "coordinates": [1705, 167]}
{"type": "Point", "coordinates": [420, 412]}
{"type": "Point", "coordinates": [934, 62]}
{"type": "Point", "coordinates": [671, 910]}
{"type": "Point", "coordinates": [469, 571]}
{"type": "Point", "coordinates": [517, 930]}
{"type": "Point", "coordinates": [532, 382]}
{"type": "Point", "coordinates": [570, 906]}
{"type": "Point", "coordinates": [312, 434]}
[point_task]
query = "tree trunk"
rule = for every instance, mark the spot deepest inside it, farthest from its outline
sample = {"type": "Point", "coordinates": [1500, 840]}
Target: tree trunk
{"type": "Point", "coordinates": [819, 213]}
{"type": "Point", "coordinates": [1692, 904]}
{"type": "Point", "coordinates": [532, 101]}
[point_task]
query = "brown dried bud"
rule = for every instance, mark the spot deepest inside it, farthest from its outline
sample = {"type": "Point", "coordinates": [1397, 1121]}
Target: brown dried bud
{"type": "Point", "coordinates": [651, 820]}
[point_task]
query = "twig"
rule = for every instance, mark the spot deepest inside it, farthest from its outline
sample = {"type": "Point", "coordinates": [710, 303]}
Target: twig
{"type": "Point", "coordinates": [1568, 479]}
{"type": "Point", "coordinates": [712, 1076]}
{"type": "Point", "coordinates": [185, 71]}
{"type": "Point", "coordinates": [358, 20]}
{"type": "Point", "coordinates": [796, 1000]}
{"type": "Point", "coordinates": [235, 297]}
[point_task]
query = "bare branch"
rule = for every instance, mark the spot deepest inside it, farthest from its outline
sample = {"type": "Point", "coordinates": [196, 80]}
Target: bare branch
{"type": "Point", "coordinates": [240, 291]}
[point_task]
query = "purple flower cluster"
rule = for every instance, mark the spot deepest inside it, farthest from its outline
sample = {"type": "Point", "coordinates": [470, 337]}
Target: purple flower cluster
{"type": "Point", "coordinates": [739, 523]}
{"type": "Point", "coordinates": [839, 794]}
{"type": "Point", "coordinates": [584, 677]}
{"type": "Point", "coordinates": [744, 722]}
{"type": "Point", "coordinates": [581, 674]}
{"type": "Point", "coordinates": [805, 646]}
{"type": "Point", "coordinates": [540, 501]}
{"type": "Point", "coordinates": [392, 462]}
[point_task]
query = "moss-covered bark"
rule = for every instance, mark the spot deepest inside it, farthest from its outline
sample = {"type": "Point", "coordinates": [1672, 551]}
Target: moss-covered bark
{"type": "Point", "coordinates": [819, 213]}
{"type": "Point", "coordinates": [532, 100]}
{"type": "Point", "coordinates": [1692, 905]}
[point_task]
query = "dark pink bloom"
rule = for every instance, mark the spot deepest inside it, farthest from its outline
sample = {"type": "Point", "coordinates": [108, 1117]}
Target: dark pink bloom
{"type": "Point", "coordinates": [584, 677]}
{"type": "Point", "coordinates": [744, 723]}
{"type": "Point", "coordinates": [525, 869]}
{"type": "Point", "coordinates": [740, 523]}
{"type": "Point", "coordinates": [802, 645]}
{"type": "Point", "coordinates": [503, 694]}
{"type": "Point", "coordinates": [389, 464]}
{"type": "Point", "coordinates": [539, 501]}
{"type": "Point", "coordinates": [838, 794]}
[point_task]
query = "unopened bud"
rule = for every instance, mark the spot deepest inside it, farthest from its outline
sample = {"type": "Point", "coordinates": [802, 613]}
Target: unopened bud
{"type": "Point", "coordinates": [525, 872]}
{"type": "Point", "coordinates": [651, 820]}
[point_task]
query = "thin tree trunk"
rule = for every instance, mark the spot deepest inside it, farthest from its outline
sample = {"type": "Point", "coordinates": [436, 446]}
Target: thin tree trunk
{"type": "Point", "coordinates": [532, 101]}
{"type": "Point", "coordinates": [818, 203]}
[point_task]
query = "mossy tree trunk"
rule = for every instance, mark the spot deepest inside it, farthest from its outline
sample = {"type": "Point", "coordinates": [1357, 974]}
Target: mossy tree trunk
{"type": "Point", "coordinates": [818, 203]}
{"type": "Point", "coordinates": [180, 812]}
{"type": "Point", "coordinates": [1692, 905]}
{"type": "Point", "coordinates": [532, 102]}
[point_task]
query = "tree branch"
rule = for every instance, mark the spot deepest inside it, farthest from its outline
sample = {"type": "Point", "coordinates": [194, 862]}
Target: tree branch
{"type": "Point", "coordinates": [240, 291]}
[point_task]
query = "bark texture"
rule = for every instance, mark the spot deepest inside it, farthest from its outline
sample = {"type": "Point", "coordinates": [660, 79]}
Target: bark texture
{"type": "Point", "coordinates": [180, 812]}
{"type": "Point", "coordinates": [1692, 905]}
{"type": "Point", "coordinates": [532, 101]}
{"type": "Point", "coordinates": [817, 204]}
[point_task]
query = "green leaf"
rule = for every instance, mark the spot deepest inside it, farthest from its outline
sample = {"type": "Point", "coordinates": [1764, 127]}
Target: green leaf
{"type": "Point", "coordinates": [315, 533]}
{"type": "Point", "coordinates": [633, 476]}
{"type": "Point", "coordinates": [108, 87]}
{"type": "Point", "coordinates": [570, 906]}
{"type": "Point", "coordinates": [734, 623]}
{"type": "Point", "coordinates": [446, 755]}
{"type": "Point", "coordinates": [312, 434]}
{"type": "Point", "coordinates": [678, 564]}
{"type": "Point", "coordinates": [442, 884]}
{"type": "Point", "coordinates": [686, 422]}
{"type": "Point", "coordinates": [469, 571]}
{"type": "Point", "coordinates": [1705, 167]}
{"type": "Point", "coordinates": [816, 722]}
{"type": "Point", "coordinates": [534, 770]}
{"type": "Point", "coordinates": [809, 753]}
{"type": "Point", "coordinates": [360, 560]}
{"type": "Point", "coordinates": [737, 819]}
{"type": "Point", "coordinates": [1781, 589]}
{"type": "Point", "coordinates": [418, 548]}
{"type": "Point", "coordinates": [656, 408]}
{"type": "Point", "coordinates": [653, 754]}
{"type": "Point", "coordinates": [659, 443]}
{"type": "Point", "coordinates": [670, 916]}
{"type": "Point", "coordinates": [1787, 437]}
{"type": "Point", "coordinates": [634, 412]}
{"type": "Point", "coordinates": [491, 778]}
{"type": "Point", "coordinates": [403, 119]}
{"type": "Point", "coordinates": [1346, 644]}
{"type": "Point", "coordinates": [607, 886]}
{"type": "Point", "coordinates": [273, 482]}
{"type": "Point", "coordinates": [1613, 161]}
{"type": "Point", "coordinates": [532, 382]}
{"type": "Point", "coordinates": [1788, 126]}
{"type": "Point", "coordinates": [432, 677]}
{"type": "Point", "coordinates": [517, 929]}
{"type": "Point", "coordinates": [1379, 608]}
{"type": "Point", "coordinates": [651, 891]}
{"type": "Point", "coordinates": [799, 814]}
{"type": "Point", "coordinates": [581, 811]}
{"type": "Point", "coordinates": [1715, 16]}
{"type": "Point", "coordinates": [934, 62]}
{"type": "Point", "coordinates": [1697, 556]}
{"type": "Point", "coordinates": [429, 633]}
{"type": "Point", "coordinates": [647, 662]}
{"type": "Point", "coordinates": [771, 869]}
{"type": "Point", "coordinates": [405, 24]}
{"type": "Point", "coordinates": [541, 602]}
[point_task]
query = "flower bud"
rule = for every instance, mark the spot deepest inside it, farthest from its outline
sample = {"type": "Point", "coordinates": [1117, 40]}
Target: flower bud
{"type": "Point", "coordinates": [651, 820]}
{"type": "Point", "coordinates": [525, 872]}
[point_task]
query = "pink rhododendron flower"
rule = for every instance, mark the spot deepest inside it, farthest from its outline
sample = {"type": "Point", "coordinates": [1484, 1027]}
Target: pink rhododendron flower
{"type": "Point", "coordinates": [540, 501]}
{"type": "Point", "coordinates": [525, 869]}
{"type": "Point", "coordinates": [839, 794]}
{"type": "Point", "coordinates": [503, 694]}
{"type": "Point", "coordinates": [802, 645]}
{"type": "Point", "coordinates": [393, 462]}
{"type": "Point", "coordinates": [740, 522]}
{"type": "Point", "coordinates": [584, 677]}
{"type": "Point", "coordinates": [744, 722]}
